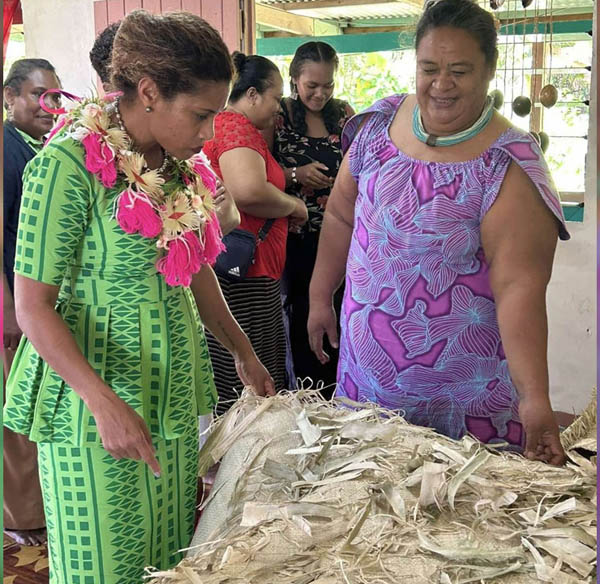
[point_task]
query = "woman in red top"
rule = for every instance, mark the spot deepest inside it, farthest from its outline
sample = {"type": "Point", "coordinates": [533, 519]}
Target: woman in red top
{"type": "Point", "coordinates": [240, 156]}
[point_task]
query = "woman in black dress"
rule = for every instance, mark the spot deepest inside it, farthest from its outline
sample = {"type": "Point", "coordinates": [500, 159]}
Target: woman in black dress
{"type": "Point", "coordinates": [307, 145]}
{"type": "Point", "coordinates": [24, 129]}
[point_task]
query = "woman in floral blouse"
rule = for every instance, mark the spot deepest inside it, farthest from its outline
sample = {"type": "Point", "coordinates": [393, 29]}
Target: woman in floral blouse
{"type": "Point", "coordinates": [307, 145]}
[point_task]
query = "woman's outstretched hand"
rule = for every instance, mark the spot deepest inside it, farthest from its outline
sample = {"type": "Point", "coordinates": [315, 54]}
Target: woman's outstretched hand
{"type": "Point", "coordinates": [542, 441]}
{"type": "Point", "coordinates": [254, 374]}
{"type": "Point", "coordinates": [124, 433]}
{"type": "Point", "coordinates": [322, 320]}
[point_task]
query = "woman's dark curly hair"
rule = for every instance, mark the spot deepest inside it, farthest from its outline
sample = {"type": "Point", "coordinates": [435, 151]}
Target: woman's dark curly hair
{"type": "Point", "coordinates": [101, 52]}
{"type": "Point", "coordinates": [177, 50]}
{"type": "Point", "coordinates": [334, 110]}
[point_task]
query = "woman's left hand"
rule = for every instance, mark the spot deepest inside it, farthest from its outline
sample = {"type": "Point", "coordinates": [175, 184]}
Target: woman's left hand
{"type": "Point", "coordinates": [253, 373]}
{"type": "Point", "coordinates": [225, 209]}
{"type": "Point", "coordinates": [220, 195]}
{"type": "Point", "coordinates": [542, 441]}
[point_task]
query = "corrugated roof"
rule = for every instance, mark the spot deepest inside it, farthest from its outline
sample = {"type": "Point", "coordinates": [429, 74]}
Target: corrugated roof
{"type": "Point", "coordinates": [397, 9]}
{"type": "Point", "coordinates": [410, 9]}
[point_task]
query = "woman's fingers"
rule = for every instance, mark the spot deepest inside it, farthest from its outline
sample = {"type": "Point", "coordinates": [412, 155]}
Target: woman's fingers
{"type": "Point", "coordinates": [130, 438]}
{"type": "Point", "coordinates": [269, 387]}
{"type": "Point", "coordinates": [332, 335]}
{"type": "Point", "coordinates": [148, 455]}
{"type": "Point", "coordinates": [316, 344]}
{"type": "Point", "coordinates": [320, 180]}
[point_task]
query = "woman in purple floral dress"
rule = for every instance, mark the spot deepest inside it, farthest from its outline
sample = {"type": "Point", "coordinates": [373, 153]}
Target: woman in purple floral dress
{"type": "Point", "coordinates": [446, 235]}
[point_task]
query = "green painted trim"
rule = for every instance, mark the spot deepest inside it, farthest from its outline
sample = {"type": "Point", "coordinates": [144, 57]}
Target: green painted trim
{"type": "Point", "coordinates": [393, 41]}
{"type": "Point", "coordinates": [351, 43]}
{"type": "Point", "coordinates": [573, 213]}
{"type": "Point", "coordinates": [568, 27]}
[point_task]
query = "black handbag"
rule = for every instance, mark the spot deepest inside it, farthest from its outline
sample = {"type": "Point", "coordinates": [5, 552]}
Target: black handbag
{"type": "Point", "coordinates": [233, 263]}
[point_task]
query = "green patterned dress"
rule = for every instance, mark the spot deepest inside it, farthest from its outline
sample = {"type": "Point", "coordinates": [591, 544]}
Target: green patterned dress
{"type": "Point", "coordinates": [107, 519]}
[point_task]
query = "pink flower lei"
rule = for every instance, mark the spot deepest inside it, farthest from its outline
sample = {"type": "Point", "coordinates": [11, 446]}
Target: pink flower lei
{"type": "Point", "coordinates": [182, 220]}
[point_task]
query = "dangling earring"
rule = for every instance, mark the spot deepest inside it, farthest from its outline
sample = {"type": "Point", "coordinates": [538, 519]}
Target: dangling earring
{"type": "Point", "coordinates": [294, 94]}
{"type": "Point", "coordinates": [148, 109]}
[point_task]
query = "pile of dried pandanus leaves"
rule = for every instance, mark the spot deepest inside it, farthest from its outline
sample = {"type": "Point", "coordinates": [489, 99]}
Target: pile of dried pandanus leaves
{"type": "Point", "coordinates": [309, 492]}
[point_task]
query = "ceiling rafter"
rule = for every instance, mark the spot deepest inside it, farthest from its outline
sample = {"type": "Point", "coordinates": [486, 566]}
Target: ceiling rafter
{"type": "Point", "coordinates": [318, 4]}
{"type": "Point", "coordinates": [295, 24]}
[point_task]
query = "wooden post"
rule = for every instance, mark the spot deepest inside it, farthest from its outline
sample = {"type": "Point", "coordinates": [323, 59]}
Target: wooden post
{"type": "Point", "coordinates": [536, 118]}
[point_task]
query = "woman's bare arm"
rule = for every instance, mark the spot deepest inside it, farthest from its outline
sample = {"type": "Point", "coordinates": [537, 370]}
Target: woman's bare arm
{"type": "Point", "coordinates": [330, 266]}
{"type": "Point", "coordinates": [519, 235]}
{"type": "Point", "coordinates": [226, 210]}
{"type": "Point", "coordinates": [245, 176]}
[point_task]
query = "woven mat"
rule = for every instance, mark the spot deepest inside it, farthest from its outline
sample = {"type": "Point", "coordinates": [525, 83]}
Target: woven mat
{"type": "Point", "coordinates": [24, 564]}
{"type": "Point", "coordinates": [308, 493]}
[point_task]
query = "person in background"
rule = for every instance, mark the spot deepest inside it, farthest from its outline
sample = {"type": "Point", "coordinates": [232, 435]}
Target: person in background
{"type": "Point", "coordinates": [444, 219]}
{"type": "Point", "coordinates": [24, 128]}
{"type": "Point", "coordinates": [113, 371]}
{"type": "Point", "coordinates": [100, 55]}
{"type": "Point", "coordinates": [307, 145]}
{"type": "Point", "coordinates": [240, 156]}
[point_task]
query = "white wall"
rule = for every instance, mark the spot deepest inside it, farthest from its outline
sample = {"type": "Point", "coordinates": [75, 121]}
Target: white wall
{"type": "Point", "coordinates": [572, 300]}
{"type": "Point", "coordinates": [62, 31]}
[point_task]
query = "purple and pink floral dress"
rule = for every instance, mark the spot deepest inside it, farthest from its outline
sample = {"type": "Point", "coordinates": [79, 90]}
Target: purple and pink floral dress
{"type": "Point", "coordinates": [418, 325]}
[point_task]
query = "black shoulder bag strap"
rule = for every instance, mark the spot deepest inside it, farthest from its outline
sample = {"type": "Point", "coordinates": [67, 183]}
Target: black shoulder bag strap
{"type": "Point", "coordinates": [264, 230]}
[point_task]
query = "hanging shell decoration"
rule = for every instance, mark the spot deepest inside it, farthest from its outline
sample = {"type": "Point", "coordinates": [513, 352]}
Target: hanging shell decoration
{"type": "Point", "coordinates": [498, 98]}
{"type": "Point", "coordinates": [526, 3]}
{"type": "Point", "coordinates": [522, 106]}
{"type": "Point", "coordinates": [544, 141]}
{"type": "Point", "coordinates": [495, 4]}
{"type": "Point", "coordinates": [548, 95]}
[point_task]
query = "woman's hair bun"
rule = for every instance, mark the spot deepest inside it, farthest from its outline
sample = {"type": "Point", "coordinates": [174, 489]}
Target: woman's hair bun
{"type": "Point", "coordinates": [239, 61]}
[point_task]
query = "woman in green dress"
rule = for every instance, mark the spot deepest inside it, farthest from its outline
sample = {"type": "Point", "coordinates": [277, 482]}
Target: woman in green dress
{"type": "Point", "coordinates": [112, 276]}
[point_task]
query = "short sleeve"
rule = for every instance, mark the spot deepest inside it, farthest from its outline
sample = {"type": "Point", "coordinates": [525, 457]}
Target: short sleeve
{"type": "Point", "coordinates": [521, 149]}
{"type": "Point", "coordinates": [354, 135]}
{"type": "Point", "coordinates": [57, 192]}
{"type": "Point", "coordinates": [360, 129]}
{"type": "Point", "coordinates": [236, 131]}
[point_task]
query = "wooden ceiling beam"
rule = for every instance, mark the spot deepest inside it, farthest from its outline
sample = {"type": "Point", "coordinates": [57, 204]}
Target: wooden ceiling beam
{"type": "Point", "coordinates": [376, 29]}
{"type": "Point", "coordinates": [293, 23]}
{"type": "Point", "coordinates": [318, 4]}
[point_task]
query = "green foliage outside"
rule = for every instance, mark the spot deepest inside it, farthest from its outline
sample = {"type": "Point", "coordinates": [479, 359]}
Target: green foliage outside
{"type": "Point", "coordinates": [364, 78]}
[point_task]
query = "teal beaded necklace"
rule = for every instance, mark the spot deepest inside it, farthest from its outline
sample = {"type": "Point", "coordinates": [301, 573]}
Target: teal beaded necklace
{"type": "Point", "coordinates": [431, 140]}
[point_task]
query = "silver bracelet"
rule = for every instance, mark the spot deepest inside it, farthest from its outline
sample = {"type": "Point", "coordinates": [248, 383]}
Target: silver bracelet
{"type": "Point", "coordinates": [294, 179]}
